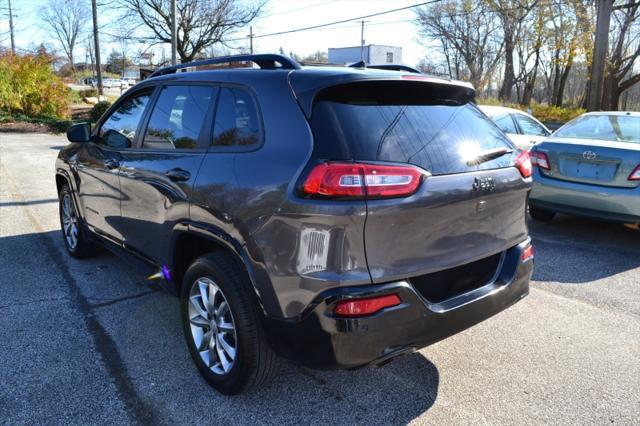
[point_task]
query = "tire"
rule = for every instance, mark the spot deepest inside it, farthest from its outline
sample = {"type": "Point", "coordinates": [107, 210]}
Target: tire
{"type": "Point", "coordinates": [541, 215]}
{"type": "Point", "coordinates": [254, 363]}
{"type": "Point", "coordinates": [74, 235]}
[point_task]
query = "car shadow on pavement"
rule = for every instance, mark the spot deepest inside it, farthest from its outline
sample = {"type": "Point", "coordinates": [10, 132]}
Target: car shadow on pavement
{"type": "Point", "coordinates": [575, 250]}
{"type": "Point", "coordinates": [141, 330]}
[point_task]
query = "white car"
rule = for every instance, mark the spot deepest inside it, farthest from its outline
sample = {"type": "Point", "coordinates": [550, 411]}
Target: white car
{"type": "Point", "coordinates": [523, 129]}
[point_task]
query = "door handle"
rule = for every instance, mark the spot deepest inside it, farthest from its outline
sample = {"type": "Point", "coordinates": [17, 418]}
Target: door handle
{"type": "Point", "coordinates": [178, 175]}
{"type": "Point", "coordinates": [111, 163]}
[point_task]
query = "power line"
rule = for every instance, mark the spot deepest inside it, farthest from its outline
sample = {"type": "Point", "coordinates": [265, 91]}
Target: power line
{"type": "Point", "coordinates": [357, 18]}
{"type": "Point", "coordinates": [284, 12]}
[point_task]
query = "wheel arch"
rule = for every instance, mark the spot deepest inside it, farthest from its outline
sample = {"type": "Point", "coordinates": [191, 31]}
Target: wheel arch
{"type": "Point", "coordinates": [188, 242]}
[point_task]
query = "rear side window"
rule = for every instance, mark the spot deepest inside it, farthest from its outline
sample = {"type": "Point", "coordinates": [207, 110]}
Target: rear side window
{"type": "Point", "coordinates": [529, 126]}
{"type": "Point", "coordinates": [506, 124]}
{"type": "Point", "coordinates": [429, 129]}
{"type": "Point", "coordinates": [177, 117]}
{"type": "Point", "coordinates": [237, 122]}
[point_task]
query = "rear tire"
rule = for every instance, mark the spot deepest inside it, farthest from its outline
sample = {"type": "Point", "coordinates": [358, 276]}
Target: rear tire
{"type": "Point", "coordinates": [74, 235]}
{"type": "Point", "coordinates": [221, 323]}
{"type": "Point", "coordinates": [541, 215]}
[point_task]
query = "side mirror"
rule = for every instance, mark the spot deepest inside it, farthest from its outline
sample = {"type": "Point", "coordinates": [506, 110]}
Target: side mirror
{"type": "Point", "coordinates": [80, 132]}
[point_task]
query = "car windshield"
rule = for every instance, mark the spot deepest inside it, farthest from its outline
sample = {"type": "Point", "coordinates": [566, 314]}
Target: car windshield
{"type": "Point", "coordinates": [617, 128]}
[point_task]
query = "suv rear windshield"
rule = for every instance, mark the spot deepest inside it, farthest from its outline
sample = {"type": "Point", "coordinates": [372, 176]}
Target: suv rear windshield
{"type": "Point", "coordinates": [408, 123]}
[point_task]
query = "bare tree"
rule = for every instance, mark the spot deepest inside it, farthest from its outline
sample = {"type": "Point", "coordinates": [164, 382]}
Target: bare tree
{"type": "Point", "coordinates": [67, 19]}
{"type": "Point", "coordinates": [511, 13]}
{"type": "Point", "coordinates": [471, 29]}
{"type": "Point", "coordinates": [200, 23]}
{"type": "Point", "coordinates": [623, 64]}
{"type": "Point", "coordinates": [532, 35]}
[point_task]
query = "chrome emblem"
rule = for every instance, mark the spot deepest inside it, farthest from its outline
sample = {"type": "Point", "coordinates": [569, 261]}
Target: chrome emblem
{"type": "Point", "coordinates": [484, 184]}
{"type": "Point", "coordinates": [589, 155]}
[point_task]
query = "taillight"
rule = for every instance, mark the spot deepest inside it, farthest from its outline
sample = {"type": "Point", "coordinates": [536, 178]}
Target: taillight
{"type": "Point", "coordinates": [356, 180]}
{"type": "Point", "coordinates": [527, 253]}
{"type": "Point", "coordinates": [523, 163]}
{"type": "Point", "coordinates": [540, 159]}
{"type": "Point", "coordinates": [365, 306]}
{"type": "Point", "coordinates": [635, 174]}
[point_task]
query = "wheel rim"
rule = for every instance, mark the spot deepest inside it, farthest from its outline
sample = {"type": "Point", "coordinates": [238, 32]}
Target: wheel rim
{"type": "Point", "coordinates": [69, 222]}
{"type": "Point", "coordinates": [212, 326]}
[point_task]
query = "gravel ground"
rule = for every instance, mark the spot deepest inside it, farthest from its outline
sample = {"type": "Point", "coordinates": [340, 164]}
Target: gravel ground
{"type": "Point", "coordinates": [91, 342]}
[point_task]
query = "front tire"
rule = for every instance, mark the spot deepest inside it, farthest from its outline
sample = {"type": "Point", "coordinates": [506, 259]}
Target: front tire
{"type": "Point", "coordinates": [221, 323]}
{"type": "Point", "coordinates": [74, 235]}
{"type": "Point", "coordinates": [541, 215]}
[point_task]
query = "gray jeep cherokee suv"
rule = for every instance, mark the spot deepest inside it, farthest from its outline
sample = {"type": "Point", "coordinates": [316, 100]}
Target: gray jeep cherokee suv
{"type": "Point", "coordinates": [335, 216]}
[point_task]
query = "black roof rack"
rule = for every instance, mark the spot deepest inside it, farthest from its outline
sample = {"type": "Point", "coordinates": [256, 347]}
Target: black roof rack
{"type": "Point", "coordinates": [264, 61]}
{"type": "Point", "coordinates": [389, 67]}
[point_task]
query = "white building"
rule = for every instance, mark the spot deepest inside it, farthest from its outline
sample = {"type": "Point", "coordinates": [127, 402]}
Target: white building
{"type": "Point", "coordinates": [375, 54]}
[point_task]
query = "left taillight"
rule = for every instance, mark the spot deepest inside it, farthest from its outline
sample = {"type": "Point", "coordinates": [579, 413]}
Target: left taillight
{"type": "Point", "coordinates": [523, 163]}
{"type": "Point", "coordinates": [359, 180]}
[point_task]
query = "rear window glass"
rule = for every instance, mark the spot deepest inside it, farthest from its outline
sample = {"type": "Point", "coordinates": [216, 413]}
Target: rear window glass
{"type": "Point", "coordinates": [617, 128]}
{"type": "Point", "coordinates": [439, 136]}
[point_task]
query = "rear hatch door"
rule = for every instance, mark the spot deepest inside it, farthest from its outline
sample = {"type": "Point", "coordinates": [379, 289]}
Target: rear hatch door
{"type": "Point", "coordinates": [462, 211]}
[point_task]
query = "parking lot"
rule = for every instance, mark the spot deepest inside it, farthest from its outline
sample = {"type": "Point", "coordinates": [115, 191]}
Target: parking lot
{"type": "Point", "coordinates": [92, 342]}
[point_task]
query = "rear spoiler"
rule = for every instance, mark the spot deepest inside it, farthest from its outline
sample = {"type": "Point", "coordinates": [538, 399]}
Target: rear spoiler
{"type": "Point", "coordinates": [307, 86]}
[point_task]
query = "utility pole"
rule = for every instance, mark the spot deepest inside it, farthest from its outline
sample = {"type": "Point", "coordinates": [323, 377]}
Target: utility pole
{"type": "Point", "coordinates": [251, 40]}
{"type": "Point", "coordinates": [362, 40]}
{"type": "Point", "coordinates": [96, 41]}
{"type": "Point", "coordinates": [13, 43]}
{"type": "Point", "coordinates": [174, 33]}
{"type": "Point", "coordinates": [596, 83]}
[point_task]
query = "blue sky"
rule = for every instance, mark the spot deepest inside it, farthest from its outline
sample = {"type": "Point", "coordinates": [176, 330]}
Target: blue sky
{"type": "Point", "coordinates": [394, 29]}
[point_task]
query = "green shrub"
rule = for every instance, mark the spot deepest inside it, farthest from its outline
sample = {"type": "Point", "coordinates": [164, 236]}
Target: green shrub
{"type": "Point", "coordinates": [74, 97]}
{"type": "Point", "coordinates": [99, 109]}
{"type": "Point", "coordinates": [28, 86]}
{"type": "Point", "coordinates": [88, 93]}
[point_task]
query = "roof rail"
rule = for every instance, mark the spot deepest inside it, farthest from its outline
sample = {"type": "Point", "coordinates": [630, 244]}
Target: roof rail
{"type": "Point", "coordinates": [264, 61]}
{"type": "Point", "coordinates": [389, 67]}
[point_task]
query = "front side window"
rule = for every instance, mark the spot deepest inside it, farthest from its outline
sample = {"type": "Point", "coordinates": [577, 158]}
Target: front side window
{"type": "Point", "coordinates": [177, 117]}
{"type": "Point", "coordinates": [237, 121]}
{"type": "Point", "coordinates": [119, 130]}
{"type": "Point", "coordinates": [529, 126]}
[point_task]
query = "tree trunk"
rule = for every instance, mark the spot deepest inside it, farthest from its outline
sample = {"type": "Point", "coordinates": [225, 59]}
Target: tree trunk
{"type": "Point", "coordinates": [562, 84]}
{"type": "Point", "coordinates": [509, 76]}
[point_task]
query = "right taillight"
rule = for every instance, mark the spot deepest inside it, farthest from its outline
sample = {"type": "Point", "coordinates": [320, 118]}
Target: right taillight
{"type": "Point", "coordinates": [523, 163]}
{"type": "Point", "coordinates": [540, 159]}
{"type": "Point", "coordinates": [358, 180]}
{"type": "Point", "coordinates": [635, 174]}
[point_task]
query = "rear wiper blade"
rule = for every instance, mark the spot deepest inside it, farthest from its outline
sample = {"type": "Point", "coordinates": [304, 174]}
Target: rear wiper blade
{"type": "Point", "coordinates": [485, 156]}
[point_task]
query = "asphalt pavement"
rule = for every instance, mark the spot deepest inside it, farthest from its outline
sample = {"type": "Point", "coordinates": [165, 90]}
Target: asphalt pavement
{"type": "Point", "coordinates": [91, 342]}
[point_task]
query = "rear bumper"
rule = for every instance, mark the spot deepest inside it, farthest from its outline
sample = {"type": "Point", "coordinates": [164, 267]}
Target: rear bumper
{"type": "Point", "coordinates": [320, 340]}
{"type": "Point", "coordinates": [598, 202]}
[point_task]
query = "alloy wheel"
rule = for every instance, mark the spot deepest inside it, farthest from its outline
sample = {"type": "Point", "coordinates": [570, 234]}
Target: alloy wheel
{"type": "Point", "coordinates": [69, 221]}
{"type": "Point", "coordinates": [212, 326]}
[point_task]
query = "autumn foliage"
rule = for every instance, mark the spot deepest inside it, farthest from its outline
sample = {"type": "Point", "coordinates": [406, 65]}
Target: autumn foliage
{"type": "Point", "coordinates": [29, 87]}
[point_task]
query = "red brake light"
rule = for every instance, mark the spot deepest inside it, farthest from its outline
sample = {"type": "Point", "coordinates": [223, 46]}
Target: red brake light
{"type": "Point", "coordinates": [523, 163]}
{"type": "Point", "coordinates": [635, 174]}
{"type": "Point", "coordinates": [360, 180]}
{"type": "Point", "coordinates": [365, 306]}
{"type": "Point", "coordinates": [527, 253]}
{"type": "Point", "coordinates": [540, 159]}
